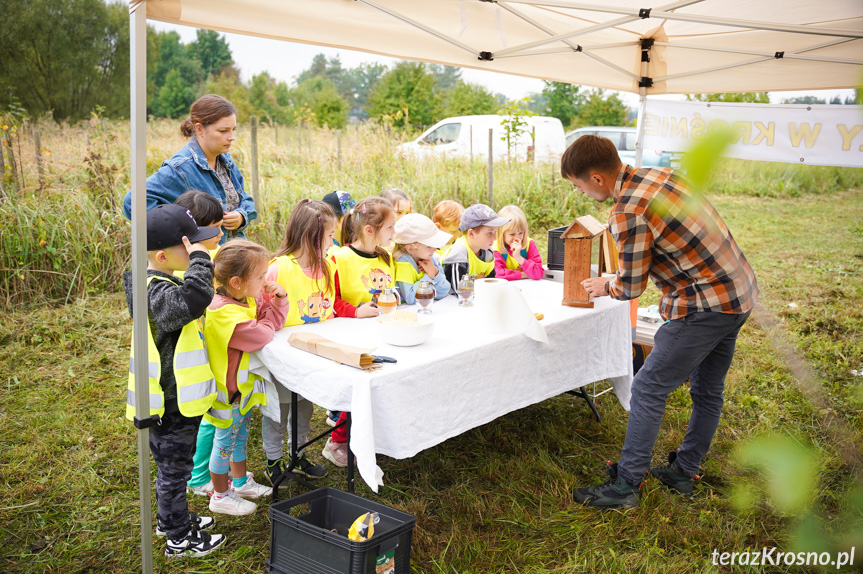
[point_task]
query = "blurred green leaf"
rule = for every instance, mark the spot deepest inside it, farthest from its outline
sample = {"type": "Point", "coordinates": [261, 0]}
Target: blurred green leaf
{"type": "Point", "coordinates": [701, 160]}
{"type": "Point", "coordinates": [790, 468]}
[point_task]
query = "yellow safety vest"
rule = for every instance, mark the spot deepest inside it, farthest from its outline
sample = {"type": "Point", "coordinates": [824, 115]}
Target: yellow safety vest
{"type": "Point", "coordinates": [407, 273]}
{"type": "Point", "coordinates": [510, 261]}
{"type": "Point", "coordinates": [361, 279]}
{"type": "Point", "coordinates": [196, 386]}
{"type": "Point", "coordinates": [307, 298]}
{"type": "Point", "coordinates": [444, 251]}
{"type": "Point", "coordinates": [182, 274]}
{"type": "Point", "coordinates": [476, 266]}
{"type": "Point", "coordinates": [218, 330]}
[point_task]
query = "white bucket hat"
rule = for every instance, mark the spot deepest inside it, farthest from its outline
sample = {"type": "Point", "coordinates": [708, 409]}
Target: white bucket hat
{"type": "Point", "coordinates": [417, 228]}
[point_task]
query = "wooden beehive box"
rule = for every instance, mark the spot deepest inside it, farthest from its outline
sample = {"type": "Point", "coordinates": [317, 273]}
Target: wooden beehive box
{"type": "Point", "coordinates": [577, 245]}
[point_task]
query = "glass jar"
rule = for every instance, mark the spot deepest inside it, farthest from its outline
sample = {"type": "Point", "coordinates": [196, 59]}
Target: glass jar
{"type": "Point", "coordinates": [424, 296]}
{"type": "Point", "coordinates": [465, 290]}
{"type": "Point", "coordinates": [388, 300]}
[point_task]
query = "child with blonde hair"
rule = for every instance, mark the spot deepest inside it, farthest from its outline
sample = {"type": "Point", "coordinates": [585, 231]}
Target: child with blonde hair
{"type": "Point", "coordinates": [416, 240]}
{"type": "Point", "coordinates": [515, 254]}
{"type": "Point", "coordinates": [364, 268]}
{"type": "Point", "coordinates": [447, 217]}
{"type": "Point", "coordinates": [239, 321]}
{"type": "Point", "coordinates": [301, 266]}
{"type": "Point", "coordinates": [400, 201]}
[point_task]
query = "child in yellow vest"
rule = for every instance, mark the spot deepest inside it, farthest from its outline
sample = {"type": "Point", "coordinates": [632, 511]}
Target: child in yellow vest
{"type": "Point", "coordinates": [363, 269]}
{"type": "Point", "coordinates": [181, 385]}
{"type": "Point", "coordinates": [341, 202]}
{"type": "Point", "coordinates": [515, 254]}
{"type": "Point", "coordinates": [447, 217]}
{"type": "Point", "coordinates": [301, 266]}
{"type": "Point", "coordinates": [471, 253]}
{"type": "Point", "coordinates": [416, 240]}
{"type": "Point", "coordinates": [239, 321]}
{"type": "Point", "coordinates": [208, 212]}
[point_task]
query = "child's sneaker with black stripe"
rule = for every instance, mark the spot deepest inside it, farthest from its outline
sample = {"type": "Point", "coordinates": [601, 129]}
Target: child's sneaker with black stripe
{"type": "Point", "coordinates": [196, 543]}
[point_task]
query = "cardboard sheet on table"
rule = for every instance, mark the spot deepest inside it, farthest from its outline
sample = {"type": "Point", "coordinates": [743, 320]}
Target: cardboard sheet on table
{"type": "Point", "coordinates": [358, 357]}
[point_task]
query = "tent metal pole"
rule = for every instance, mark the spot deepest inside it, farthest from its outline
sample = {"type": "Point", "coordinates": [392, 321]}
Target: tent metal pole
{"type": "Point", "coordinates": [786, 56]}
{"type": "Point", "coordinates": [642, 105]}
{"type": "Point", "coordinates": [415, 24]}
{"type": "Point", "coordinates": [632, 16]}
{"type": "Point", "coordinates": [662, 14]}
{"type": "Point", "coordinates": [715, 69]}
{"type": "Point", "coordinates": [572, 45]}
{"type": "Point", "coordinates": [140, 323]}
{"type": "Point", "coordinates": [562, 50]}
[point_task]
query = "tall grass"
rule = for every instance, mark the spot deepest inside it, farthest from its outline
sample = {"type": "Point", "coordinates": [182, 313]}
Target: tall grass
{"type": "Point", "coordinates": [68, 237]}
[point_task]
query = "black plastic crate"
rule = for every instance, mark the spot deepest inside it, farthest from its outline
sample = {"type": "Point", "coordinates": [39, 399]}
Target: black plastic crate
{"type": "Point", "coordinates": [555, 248]}
{"type": "Point", "coordinates": [305, 544]}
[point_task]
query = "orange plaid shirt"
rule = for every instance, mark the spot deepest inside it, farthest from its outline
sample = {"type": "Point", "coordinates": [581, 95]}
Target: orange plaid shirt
{"type": "Point", "coordinates": [677, 239]}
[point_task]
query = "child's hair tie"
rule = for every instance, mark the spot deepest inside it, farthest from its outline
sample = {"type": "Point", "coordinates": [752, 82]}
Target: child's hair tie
{"type": "Point", "coordinates": [364, 209]}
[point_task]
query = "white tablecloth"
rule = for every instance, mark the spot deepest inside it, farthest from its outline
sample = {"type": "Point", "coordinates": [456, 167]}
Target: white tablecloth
{"type": "Point", "coordinates": [462, 378]}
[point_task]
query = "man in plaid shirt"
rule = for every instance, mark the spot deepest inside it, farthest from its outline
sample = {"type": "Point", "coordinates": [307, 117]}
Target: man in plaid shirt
{"type": "Point", "coordinates": [674, 237]}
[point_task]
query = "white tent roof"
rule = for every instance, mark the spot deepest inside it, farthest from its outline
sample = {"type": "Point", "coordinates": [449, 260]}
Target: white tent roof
{"type": "Point", "coordinates": [700, 46]}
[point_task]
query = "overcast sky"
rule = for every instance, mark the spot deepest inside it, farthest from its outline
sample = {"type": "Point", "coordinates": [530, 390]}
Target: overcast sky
{"type": "Point", "coordinates": [285, 60]}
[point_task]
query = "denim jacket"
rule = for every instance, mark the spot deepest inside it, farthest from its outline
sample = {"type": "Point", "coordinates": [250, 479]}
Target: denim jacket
{"type": "Point", "coordinates": [187, 170]}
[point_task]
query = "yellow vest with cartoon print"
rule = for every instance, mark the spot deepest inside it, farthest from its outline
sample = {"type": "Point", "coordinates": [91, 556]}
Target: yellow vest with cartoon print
{"type": "Point", "coordinates": [476, 266]}
{"type": "Point", "coordinates": [510, 261]}
{"type": "Point", "coordinates": [196, 386]}
{"type": "Point", "coordinates": [218, 330]}
{"type": "Point", "coordinates": [309, 300]}
{"type": "Point", "coordinates": [361, 279]}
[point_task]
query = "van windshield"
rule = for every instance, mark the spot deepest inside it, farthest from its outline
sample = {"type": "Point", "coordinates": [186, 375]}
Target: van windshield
{"type": "Point", "coordinates": [445, 134]}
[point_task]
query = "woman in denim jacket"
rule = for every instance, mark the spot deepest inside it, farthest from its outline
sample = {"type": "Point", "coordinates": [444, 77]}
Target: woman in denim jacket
{"type": "Point", "coordinates": [204, 164]}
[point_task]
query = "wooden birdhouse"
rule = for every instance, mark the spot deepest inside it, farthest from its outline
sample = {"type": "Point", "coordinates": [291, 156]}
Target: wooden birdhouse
{"type": "Point", "coordinates": [577, 246]}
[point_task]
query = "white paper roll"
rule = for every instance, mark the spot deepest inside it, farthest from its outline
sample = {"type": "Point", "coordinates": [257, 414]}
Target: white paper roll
{"type": "Point", "coordinates": [503, 309]}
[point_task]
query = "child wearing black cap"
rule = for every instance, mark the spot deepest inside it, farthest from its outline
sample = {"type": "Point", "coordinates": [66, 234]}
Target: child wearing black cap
{"type": "Point", "coordinates": [341, 202]}
{"type": "Point", "coordinates": [178, 397]}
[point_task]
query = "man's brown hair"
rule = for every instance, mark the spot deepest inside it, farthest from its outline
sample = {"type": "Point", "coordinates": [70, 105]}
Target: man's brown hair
{"type": "Point", "coordinates": [589, 153]}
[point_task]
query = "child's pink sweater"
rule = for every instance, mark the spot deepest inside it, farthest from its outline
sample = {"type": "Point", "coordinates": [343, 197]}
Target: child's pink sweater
{"type": "Point", "coordinates": [532, 265]}
{"type": "Point", "coordinates": [250, 336]}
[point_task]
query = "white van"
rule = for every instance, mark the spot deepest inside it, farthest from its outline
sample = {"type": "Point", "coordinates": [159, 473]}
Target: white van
{"type": "Point", "coordinates": [467, 136]}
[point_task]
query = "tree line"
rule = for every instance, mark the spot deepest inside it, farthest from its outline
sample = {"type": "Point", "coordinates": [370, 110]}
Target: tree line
{"type": "Point", "coordinates": [68, 58]}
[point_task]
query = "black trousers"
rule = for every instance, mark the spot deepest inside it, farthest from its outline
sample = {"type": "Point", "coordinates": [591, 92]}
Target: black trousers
{"type": "Point", "coordinates": [172, 444]}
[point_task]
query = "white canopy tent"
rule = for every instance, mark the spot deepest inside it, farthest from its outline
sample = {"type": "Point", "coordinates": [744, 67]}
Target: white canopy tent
{"type": "Point", "coordinates": [647, 47]}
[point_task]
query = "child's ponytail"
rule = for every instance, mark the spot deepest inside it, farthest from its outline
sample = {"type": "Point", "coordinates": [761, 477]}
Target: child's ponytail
{"type": "Point", "coordinates": [372, 211]}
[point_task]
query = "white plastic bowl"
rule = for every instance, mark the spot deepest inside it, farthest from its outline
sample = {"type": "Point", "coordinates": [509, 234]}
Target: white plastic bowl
{"type": "Point", "coordinates": [399, 329]}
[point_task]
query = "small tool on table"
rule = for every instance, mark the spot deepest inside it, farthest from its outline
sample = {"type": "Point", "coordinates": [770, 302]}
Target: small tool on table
{"type": "Point", "coordinates": [382, 359]}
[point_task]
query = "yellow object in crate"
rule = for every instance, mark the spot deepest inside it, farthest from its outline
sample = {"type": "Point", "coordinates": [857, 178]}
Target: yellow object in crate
{"type": "Point", "coordinates": [363, 527]}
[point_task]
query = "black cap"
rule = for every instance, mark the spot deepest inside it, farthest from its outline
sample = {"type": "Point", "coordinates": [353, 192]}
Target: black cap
{"type": "Point", "coordinates": [167, 223]}
{"type": "Point", "coordinates": [340, 201]}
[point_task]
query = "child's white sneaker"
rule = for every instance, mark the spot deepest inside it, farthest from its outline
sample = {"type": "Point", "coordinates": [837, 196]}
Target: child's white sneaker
{"type": "Point", "coordinates": [252, 489]}
{"type": "Point", "coordinates": [196, 544]}
{"type": "Point", "coordinates": [203, 490]}
{"type": "Point", "coordinates": [231, 504]}
{"type": "Point", "coordinates": [199, 522]}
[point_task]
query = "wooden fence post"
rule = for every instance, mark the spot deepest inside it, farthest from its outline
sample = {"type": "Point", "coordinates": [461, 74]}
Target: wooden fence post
{"type": "Point", "coordinates": [11, 153]}
{"type": "Point", "coordinates": [40, 168]}
{"type": "Point", "coordinates": [491, 168]}
{"type": "Point", "coordinates": [276, 136]}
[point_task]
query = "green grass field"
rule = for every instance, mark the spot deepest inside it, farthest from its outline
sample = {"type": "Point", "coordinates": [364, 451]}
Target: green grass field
{"type": "Point", "coordinates": [495, 499]}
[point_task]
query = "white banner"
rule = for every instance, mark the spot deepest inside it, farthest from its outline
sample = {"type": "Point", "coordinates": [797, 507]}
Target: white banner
{"type": "Point", "coordinates": [791, 133]}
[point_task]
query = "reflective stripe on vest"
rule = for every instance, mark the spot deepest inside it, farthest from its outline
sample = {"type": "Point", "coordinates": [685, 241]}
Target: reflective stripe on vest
{"type": "Point", "coordinates": [196, 386]}
{"type": "Point", "coordinates": [218, 330]}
